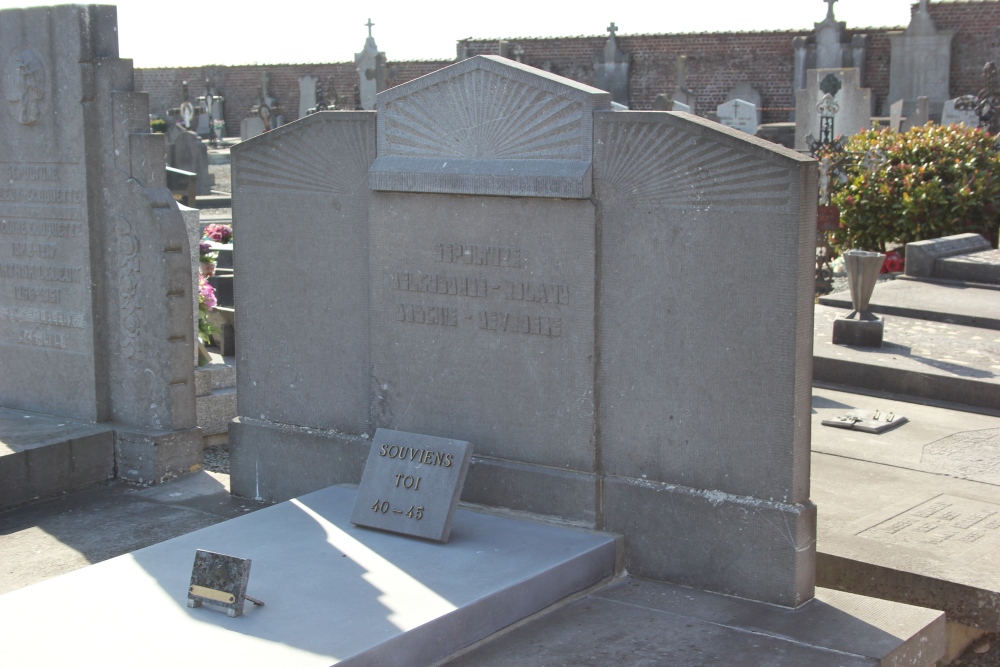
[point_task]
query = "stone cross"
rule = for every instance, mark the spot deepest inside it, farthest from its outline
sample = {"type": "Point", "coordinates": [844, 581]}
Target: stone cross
{"type": "Point", "coordinates": [923, 7]}
{"type": "Point", "coordinates": [369, 26]}
{"type": "Point", "coordinates": [829, 13]}
{"type": "Point", "coordinates": [612, 28]}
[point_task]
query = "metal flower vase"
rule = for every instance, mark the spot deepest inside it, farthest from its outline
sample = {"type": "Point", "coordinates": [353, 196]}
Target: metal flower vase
{"type": "Point", "coordinates": [861, 327]}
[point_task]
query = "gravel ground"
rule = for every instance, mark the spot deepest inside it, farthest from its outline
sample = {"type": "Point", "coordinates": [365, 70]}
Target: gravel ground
{"type": "Point", "coordinates": [216, 459]}
{"type": "Point", "coordinates": [223, 177]}
{"type": "Point", "coordinates": [984, 652]}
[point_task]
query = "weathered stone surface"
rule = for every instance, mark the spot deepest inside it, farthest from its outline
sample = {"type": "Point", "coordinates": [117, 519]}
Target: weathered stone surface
{"type": "Point", "coordinates": [854, 101]}
{"type": "Point", "coordinates": [858, 332]}
{"type": "Point", "coordinates": [976, 267]}
{"type": "Point", "coordinates": [411, 484]}
{"type": "Point", "coordinates": [920, 64]}
{"type": "Point", "coordinates": [95, 294]}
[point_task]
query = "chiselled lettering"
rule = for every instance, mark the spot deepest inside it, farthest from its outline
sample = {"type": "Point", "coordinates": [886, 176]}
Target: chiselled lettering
{"type": "Point", "coordinates": [32, 172]}
{"type": "Point", "coordinates": [439, 284]}
{"type": "Point", "coordinates": [43, 294]}
{"type": "Point", "coordinates": [42, 338]}
{"type": "Point", "coordinates": [447, 317]}
{"type": "Point", "coordinates": [478, 255]}
{"type": "Point", "coordinates": [424, 456]}
{"type": "Point", "coordinates": [41, 228]}
{"type": "Point", "coordinates": [59, 274]}
{"type": "Point", "coordinates": [56, 318]}
{"type": "Point", "coordinates": [40, 250]}
{"type": "Point", "coordinates": [537, 292]}
{"type": "Point", "coordinates": [519, 323]}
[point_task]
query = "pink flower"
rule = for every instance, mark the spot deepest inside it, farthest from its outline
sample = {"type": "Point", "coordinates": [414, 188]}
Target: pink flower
{"type": "Point", "coordinates": [206, 294]}
{"type": "Point", "coordinates": [219, 233]}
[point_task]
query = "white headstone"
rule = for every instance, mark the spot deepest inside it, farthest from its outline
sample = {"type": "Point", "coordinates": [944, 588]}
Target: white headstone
{"type": "Point", "coordinates": [307, 94]}
{"type": "Point", "coordinates": [744, 91]}
{"type": "Point", "coordinates": [739, 115]}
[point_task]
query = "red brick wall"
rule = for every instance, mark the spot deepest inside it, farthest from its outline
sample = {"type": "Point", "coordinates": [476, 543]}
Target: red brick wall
{"type": "Point", "coordinates": [716, 63]}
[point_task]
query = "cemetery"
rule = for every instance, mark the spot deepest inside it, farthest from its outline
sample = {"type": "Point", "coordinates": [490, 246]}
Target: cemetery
{"type": "Point", "coordinates": [510, 410]}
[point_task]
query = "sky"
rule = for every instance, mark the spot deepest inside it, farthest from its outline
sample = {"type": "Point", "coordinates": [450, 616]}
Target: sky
{"type": "Point", "coordinates": [235, 32]}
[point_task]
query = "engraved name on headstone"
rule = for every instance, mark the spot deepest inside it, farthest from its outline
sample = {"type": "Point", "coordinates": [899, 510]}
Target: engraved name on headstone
{"type": "Point", "coordinates": [411, 484]}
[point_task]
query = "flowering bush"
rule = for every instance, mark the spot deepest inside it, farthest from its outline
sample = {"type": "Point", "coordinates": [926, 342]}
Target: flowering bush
{"type": "Point", "coordinates": [935, 181]}
{"type": "Point", "coordinates": [893, 262]}
{"type": "Point", "coordinates": [219, 233]}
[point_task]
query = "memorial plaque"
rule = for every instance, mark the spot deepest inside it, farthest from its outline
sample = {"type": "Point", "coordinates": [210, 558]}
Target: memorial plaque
{"type": "Point", "coordinates": [411, 484]}
{"type": "Point", "coordinates": [220, 580]}
{"type": "Point", "coordinates": [950, 524]}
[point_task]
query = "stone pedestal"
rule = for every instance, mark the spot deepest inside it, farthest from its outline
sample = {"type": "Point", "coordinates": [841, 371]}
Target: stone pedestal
{"type": "Point", "coordinates": [858, 332]}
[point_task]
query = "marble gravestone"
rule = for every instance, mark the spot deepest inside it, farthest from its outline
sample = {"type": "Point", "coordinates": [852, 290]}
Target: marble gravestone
{"type": "Point", "coordinates": [739, 115]}
{"type": "Point", "coordinates": [307, 94]}
{"type": "Point", "coordinates": [746, 92]}
{"type": "Point", "coordinates": [95, 272]}
{"type": "Point", "coordinates": [854, 104]}
{"type": "Point", "coordinates": [540, 283]}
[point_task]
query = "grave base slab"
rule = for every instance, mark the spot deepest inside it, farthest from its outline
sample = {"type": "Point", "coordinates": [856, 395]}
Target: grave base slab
{"type": "Point", "coordinates": [334, 593]}
{"type": "Point", "coordinates": [912, 514]}
{"type": "Point", "coordinates": [640, 622]}
{"type": "Point", "coordinates": [860, 333]}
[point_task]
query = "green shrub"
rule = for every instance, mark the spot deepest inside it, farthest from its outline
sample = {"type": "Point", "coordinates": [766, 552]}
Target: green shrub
{"type": "Point", "coordinates": [158, 125]}
{"type": "Point", "coordinates": [935, 181]}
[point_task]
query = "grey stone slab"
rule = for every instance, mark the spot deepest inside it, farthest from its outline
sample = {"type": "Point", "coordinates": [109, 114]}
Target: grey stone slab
{"type": "Point", "coordinates": [41, 456]}
{"type": "Point", "coordinates": [487, 126]}
{"type": "Point", "coordinates": [910, 536]}
{"type": "Point", "coordinates": [648, 623]}
{"type": "Point", "coordinates": [148, 456]}
{"type": "Point", "coordinates": [934, 360]}
{"type": "Point", "coordinates": [411, 484]}
{"type": "Point", "coordinates": [859, 333]}
{"type": "Point", "coordinates": [710, 540]}
{"type": "Point", "coordinates": [514, 296]}
{"type": "Point", "coordinates": [975, 267]}
{"type": "Point", "coordinates": [923, 300]}
{"type": "Point", "coordinates": [920, 63]}
{"type": "Point", "coordinates": [390, 599]}
{"type": "Point", "coordinates": [676, 390]}
{"type": "Point", "coordinates": [922, 256]}
{"type": "Point", "coordinates": [312, 171]}
{"type": "Point", "coordinates": [275, 462]}
{"type": "Point", "coordinates": [216, 410]}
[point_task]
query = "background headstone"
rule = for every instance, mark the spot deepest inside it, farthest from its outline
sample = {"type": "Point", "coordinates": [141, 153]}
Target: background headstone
{"type": "Point", "coordinates": [828, 48]}
{"type": "Point", "coordinates": [739, 115]}
{"type": "Point", "coordinates": [427, 289]}
{"type": "Point", "coordinates": [855, 104]}
{"type": "Point", "coordinates": [950, 115]}
{"type": "Point", "coordinates": [682, 94]}
{"type": "Point", "coordinates": [744, 91]}
{"type": "Point", "coordinates": [896, 117]}
{"type": "Point", "coordinates": [373, 73]}
{"type": "Point", "coordinates": [95, 272]}
{"type": "Point", "coordinates": [188, 152]}
{"type": "Point", "coordinates": [251, 126]}
{"type": "Point", "coordinates": [611, 67]}
{"type": "Point", "coordinates": [920, 115]}
{"type": "Point", "coordinates": [307, 94]}
{"type": "Point", "coordinates": [920, 63]}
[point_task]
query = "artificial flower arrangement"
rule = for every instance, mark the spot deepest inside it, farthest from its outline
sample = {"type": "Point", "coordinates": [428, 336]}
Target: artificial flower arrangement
{"type": "Point", "coordinates": [219, 233]}
{"type": "Point", "coordinates": [206, 304]}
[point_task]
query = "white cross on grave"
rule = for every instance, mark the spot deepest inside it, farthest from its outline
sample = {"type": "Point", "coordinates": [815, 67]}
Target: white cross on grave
{"type": "Point", "coordinates": [829, 12]}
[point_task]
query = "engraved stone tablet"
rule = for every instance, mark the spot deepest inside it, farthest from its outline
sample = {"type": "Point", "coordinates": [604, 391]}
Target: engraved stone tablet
{"type": "Point", "coordinates": [411, 484]}
{"type": "Point", "coordinates": [219, 580]}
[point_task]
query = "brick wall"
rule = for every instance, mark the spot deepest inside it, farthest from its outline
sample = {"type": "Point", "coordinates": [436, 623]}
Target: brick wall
{"type": "Point", "coordinates": [716, 63]}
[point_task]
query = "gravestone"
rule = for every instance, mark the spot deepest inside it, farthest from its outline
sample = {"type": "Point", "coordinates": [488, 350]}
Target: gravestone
{"type": "Point", "coordinates": [896, 117]}
{"type": "Point", "coordinates": [611, 67]}
{"type": "Point", "coordinates": [854, 102]}
{"type": "Point", "coordinates": [682, 94]}
{"type": "Point", "coordinates": [962, 257]}
{"type": "Point", "coordinates": [950, 115]}
{"type": "Point", "coordinates": [252, 126]}
{"type": "Point", "coordinates": [95, 271]}
{"type": "Point", "coordinates": [188, 152]}
{"type": "Point", "coordinates": [373, 73]}
{"type": "Point", "coordinates": [828, 48]}
{"type": "Point", "coordinates": [744, 91]}
{"type": "Point", "coordinates": [307, 94]}
{"type": "Point", "coordinates": [454, 284]}
{"type": "Point", "coordinates": [920, 63]}
{"type": "Point", "coordinates": [920, 115]}
{"type": "Point", "coordinates": [739, 115]}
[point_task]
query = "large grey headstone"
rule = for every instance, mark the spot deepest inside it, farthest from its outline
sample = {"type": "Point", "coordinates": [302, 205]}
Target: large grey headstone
{"type": "Point", "coordinates": [373, 73]}
{"type": "Point", "coordinates": [920, 63]}
{"type": "Point", "coordinates": [95, 270]}
{"type": "Point", "coordinates": [854, 103]}
{"type": "Point", "coordinates": [967, 257]}
{"type": "Point", "coordinates": [543, 283]}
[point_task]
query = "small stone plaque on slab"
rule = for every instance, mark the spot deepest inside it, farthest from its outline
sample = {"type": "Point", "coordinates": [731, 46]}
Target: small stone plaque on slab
{"type": "Point", "coordinates": [411, 484]}
{"type": "Point", "coordinates": [877, 422]}
{"type": "Point", "coordinates": [220, 580]}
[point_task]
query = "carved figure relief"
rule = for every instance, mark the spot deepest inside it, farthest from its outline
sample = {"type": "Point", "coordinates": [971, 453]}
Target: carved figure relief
{"type": "Point", "coordinates": [24, 84]}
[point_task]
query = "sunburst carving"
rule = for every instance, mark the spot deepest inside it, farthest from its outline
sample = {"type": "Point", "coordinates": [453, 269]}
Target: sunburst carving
{"type": "Point", "coordinates": [324, 156]}
{"type": "Point", "coordinates": [663, 164]}
{"type": "Point", "coordinates": [483, 115]}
